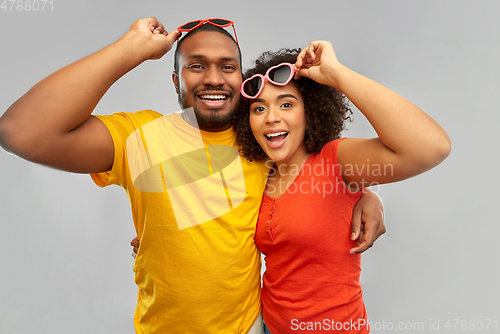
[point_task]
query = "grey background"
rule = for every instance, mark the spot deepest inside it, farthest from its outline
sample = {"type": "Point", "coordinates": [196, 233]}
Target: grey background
{"type": "Point", "coordinates": [65, 265]}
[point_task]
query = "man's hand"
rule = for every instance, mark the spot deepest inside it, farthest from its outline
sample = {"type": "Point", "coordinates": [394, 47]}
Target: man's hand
{"type": "Point", "coordinates": [157, 39]}
{"type": "Point", "coordinates": [52, 125]}
{"type": "Point", "coordinates": [135, 244]}
{"type": "Point", "coordinates": [368, 221]}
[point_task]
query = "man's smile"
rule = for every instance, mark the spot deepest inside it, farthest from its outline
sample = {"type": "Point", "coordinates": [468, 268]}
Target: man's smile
{"type": "Point", "coordinates": [213, 100]}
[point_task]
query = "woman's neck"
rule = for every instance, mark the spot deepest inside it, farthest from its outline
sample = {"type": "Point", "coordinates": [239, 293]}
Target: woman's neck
{"type": "Point", "coordinates": [285, 174]}
{"type": "Point", "coordinates": [293, 165]}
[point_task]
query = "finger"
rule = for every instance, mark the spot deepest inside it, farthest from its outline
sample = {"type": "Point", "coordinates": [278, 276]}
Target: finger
{"type": "Point", "coordinates": [381, 230]}
{"type": "Point", "coordinates": [381, 227]}
{"type": "Point", "coordinates": [153, 23]}
{"type": "Point", "coordinates": [367, 243]}
{"type": "Point", "coordinates": [311, 51]}
{"type": "Point", "coordinates": [135, 242]}
{"type": "Point", "coordinates": [360, 240]}
{"type": "Point", "coordinates": [172, 36]}
{"type": "Point", "coordinates": [301, 58]}
{"type": "Point", "coordinates": [362, 236]}
{"type": "Point", "coordinates": [355, 224]}
{"type": "Point", "coordinates": [135, 250]}
{"type": "Point", "coordinates": [301, 73]}
{"type": "Point", "coordinates": [159, 29]}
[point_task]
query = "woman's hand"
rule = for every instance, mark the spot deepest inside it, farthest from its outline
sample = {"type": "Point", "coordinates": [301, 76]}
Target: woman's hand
{"type": "Point", "coordinates": [409, 143]}
{"type": "Point", "coordinates": [319, 63]}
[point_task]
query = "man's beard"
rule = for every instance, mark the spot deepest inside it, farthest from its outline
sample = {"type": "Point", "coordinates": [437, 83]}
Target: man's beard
{"type": "Point", "coordinates": [213, 120]}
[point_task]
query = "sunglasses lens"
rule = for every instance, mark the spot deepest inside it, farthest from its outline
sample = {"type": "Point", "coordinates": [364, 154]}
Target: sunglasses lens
{"type": "Point", "coordinates": [220, 22]}
{"type": "Point", "coordinates": [280, 74]}
{"type": "Point", "coordinates": [190, 25]}
{"type": "Point", "coordinates": [251, 87]}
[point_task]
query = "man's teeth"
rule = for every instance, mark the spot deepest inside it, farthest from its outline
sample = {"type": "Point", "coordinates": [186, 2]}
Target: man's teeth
{"type": "Point", "coordinates": [276, 134]}
{"type": "Point", "coordinates": [213, 97]}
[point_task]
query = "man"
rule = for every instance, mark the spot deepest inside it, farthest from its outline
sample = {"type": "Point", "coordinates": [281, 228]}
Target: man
{"type": "Point", "coordinates": [194, 201]}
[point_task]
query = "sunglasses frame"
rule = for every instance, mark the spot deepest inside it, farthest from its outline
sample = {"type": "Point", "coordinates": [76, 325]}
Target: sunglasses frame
{"type": "Point", "coordinates": [201, 22]}
{"type": "Point", "coordinates": [264, 77]}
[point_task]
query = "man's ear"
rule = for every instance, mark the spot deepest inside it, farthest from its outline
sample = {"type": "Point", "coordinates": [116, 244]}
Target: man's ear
{"type": "Point", "coordinates": [175, 79]}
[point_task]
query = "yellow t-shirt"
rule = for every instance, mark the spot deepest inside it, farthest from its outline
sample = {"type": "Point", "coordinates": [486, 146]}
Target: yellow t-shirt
{"type": "Point", "coordinates": [195, 205]}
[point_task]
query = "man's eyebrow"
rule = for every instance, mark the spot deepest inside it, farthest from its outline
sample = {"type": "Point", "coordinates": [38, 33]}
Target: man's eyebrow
{"type": "Point", "coordinates": [204, 56]}
{"type": "Point", "coordinates": [282, 96]}
{"type": "Point", "coordinates": [196, 56]}
{"type": "Point", "coordinates": [229, 59]}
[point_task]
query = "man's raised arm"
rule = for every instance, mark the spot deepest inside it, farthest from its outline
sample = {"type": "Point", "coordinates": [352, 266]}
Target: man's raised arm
{"type": "Point", "coordinates": [52, 124]}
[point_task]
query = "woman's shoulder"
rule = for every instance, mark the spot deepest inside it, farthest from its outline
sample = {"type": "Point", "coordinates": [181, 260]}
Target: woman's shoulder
{"type": "Point", "coordinates": [330, 148]}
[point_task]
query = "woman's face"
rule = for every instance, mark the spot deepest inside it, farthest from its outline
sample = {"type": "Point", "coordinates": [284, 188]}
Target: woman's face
{"type": "Point", "coordinates": [278, 122]}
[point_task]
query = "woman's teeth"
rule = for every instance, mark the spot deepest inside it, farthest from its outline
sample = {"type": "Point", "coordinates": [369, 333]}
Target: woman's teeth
{"type": "Point", "coordinates": [276, 137]}
{"type": "Point", "coordinates": [276, 134]}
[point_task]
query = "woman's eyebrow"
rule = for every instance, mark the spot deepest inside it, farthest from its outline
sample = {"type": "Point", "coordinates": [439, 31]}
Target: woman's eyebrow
{"type": "Point", "coordinates": [257, 100]}
{"type": "Point", "coordinates": [283, 96]}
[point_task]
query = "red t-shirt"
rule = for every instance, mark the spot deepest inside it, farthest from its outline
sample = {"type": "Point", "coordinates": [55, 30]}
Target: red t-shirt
{"type": "Point", "coordinates": [311, 282]}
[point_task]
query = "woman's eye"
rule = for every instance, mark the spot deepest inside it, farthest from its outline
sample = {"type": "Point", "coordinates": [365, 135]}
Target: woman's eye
{"type": "Point", "coordinates": [259, 109]}
{"type": "Point", "coordinates": [286, 105]}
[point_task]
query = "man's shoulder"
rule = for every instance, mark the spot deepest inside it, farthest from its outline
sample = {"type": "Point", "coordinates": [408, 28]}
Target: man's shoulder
{"type": "Point", "coordinates": [141, 116]}
{"type": "Point", "coordinates": [128, 121]}
{"type": "Point", "coordinates": [147, 113]}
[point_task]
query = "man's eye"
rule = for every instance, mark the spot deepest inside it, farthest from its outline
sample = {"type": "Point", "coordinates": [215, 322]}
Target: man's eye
{"type": "Point", "coordinates": [196, 67]}
{"type": "Point", "coordinates": [228, 68]}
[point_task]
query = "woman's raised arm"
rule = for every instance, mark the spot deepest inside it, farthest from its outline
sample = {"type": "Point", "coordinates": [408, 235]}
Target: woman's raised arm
{"type": "Point", "coordinates": [410, 142]}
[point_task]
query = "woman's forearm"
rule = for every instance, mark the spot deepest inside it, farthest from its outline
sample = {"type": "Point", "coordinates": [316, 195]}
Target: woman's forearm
{"type": "Point", "coordinates": [401, 126]}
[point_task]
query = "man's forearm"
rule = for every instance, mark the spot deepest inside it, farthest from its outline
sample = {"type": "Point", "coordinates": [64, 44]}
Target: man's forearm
{"type": "Point", "coordinates": [51, 123]}
{"type": "Point", "coordinates": [66, 98]}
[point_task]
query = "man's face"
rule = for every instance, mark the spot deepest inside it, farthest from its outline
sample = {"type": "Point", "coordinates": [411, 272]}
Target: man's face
{"type": "Point", "coordinates": [209, 79]}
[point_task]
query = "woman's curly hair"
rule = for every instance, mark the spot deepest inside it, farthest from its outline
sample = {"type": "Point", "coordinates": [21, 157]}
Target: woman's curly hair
{"type": "Point", "coordinates": [326, 109]}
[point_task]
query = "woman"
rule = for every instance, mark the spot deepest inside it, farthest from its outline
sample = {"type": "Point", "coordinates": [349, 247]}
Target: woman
{"type": "Point", "coordinates": [293, 115]}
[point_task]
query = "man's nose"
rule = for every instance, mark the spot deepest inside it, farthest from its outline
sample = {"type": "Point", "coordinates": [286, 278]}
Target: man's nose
{"type": "Point", "coordinates": [213, 77]}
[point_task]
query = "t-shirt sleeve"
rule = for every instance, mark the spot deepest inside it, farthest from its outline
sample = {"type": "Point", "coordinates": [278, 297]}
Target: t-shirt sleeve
{"type": "Point", "coordinates": [330, 155]}
{"type": "Point", "coordinates": [120, 125]}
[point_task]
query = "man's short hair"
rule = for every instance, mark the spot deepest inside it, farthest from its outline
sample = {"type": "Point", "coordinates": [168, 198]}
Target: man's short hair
{"type": "Point", "coordinates": [204, 27]}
